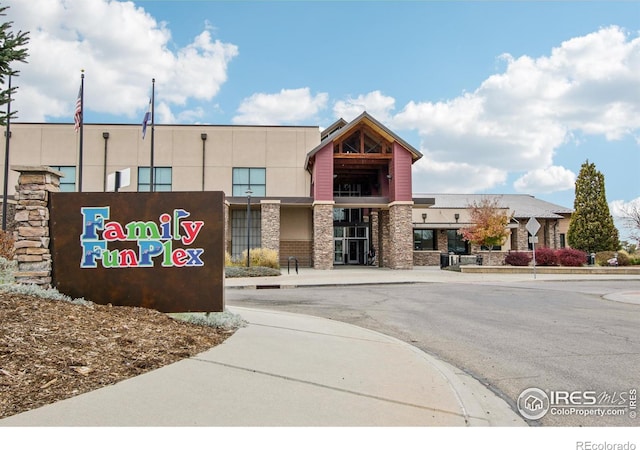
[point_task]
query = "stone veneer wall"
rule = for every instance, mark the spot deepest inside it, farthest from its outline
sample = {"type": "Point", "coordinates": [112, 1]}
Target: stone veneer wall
{"type": "Point", "coordinates": [383, 233]}
{"type": "Point", "coordinates": [400, 235]}
{"type": "Point", "coordinates": [32, 223]}
{"type": "Point", "coordinates": [270, 225]}
{"type": "Point", "coordinates": [323, 235]}
{"type": "Point", "coordinates": [375, 234]}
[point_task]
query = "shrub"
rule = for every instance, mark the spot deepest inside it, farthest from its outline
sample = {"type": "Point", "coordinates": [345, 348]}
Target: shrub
{"type": "Point", "coordinates": [264, 257]}
{"type": "Point", "coordinates": [634, 261]}
{"type": "Point", "coordinates": [623, 258]}
{"type": "Point", "coordinates": [6, 245]}
{"type": "Point", "coordinates": [571, 257]}
{"type": "Point", "coordinates": [7, 270]}
{"type": "Point", "coordinates": [240, 272]}
{"type": "Point", "coordinates": [546, 257]}
{"type": "Point", "coordinates": [518, 259]}
{"type": "Point", "coordinates": [603, 257]}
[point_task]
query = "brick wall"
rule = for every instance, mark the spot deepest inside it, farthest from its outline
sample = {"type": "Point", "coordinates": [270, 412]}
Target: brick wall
{"type": "Point", "coordinates": [303, 250]}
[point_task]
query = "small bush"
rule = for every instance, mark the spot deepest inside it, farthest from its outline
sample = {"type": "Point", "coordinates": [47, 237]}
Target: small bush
{"type": "Point", "coordinates": [634, 261]}
{"type": "Point", "coordinates": [240, 272]}
{"type": "Point", "coordinates": [224, 320]}
{"type": "Point", "coordinates": [546, 257]}
{"type": "Point", "coordinates": [518, 259]}
{"type": "Point", "coordinates": [623, 258]}
{"type": "Point", "coordinates": [571, 257]}
{"type": "Point", "coordinates": [602, 258]}
{"type": "Point", "coordinates": [6, 245]}
{"type": "Point", "coordinates": [264, 257]}
{"type": "Point", "coordinates": [7, 270]}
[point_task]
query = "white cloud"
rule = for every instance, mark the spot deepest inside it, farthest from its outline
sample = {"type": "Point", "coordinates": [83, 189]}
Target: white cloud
{"type": "Point", "coordinates": [454, 177]}
{"type": "Point", "coordinates": [622, 213]}
{"type": "Point", "coordinates": [121, 48]}
{"type": "Point", "coordinates": [375, 103]}
{"type": "Point", "coordinates": [544, 181]}
{"type": "Point", "coordinates": [620, 208]}
{"type": "Point", "coordinates": [289, 106]}
{"type": "Point", "coordinates": [517, 119]}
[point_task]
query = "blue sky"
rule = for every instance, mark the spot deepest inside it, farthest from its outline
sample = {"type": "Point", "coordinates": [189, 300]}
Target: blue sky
{"type": "Point", "coordinates": [500, 97]}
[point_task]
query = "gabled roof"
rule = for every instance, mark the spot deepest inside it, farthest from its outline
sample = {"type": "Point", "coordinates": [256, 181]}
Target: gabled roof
{"type": "Point", "coordinates": [346, 128]}
{"type": "Point", "coordinates": [522, 205]}
{"type": "Point", "coordinates": [335, 126]}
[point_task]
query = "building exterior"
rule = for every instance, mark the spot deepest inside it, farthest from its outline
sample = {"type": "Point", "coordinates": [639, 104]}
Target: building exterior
{"type": "Point", "coordinates": [328, 198]}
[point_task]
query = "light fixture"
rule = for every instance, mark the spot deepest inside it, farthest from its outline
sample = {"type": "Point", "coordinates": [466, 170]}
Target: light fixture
{"type": "Point", "coordinates": [424, 217]}
{"type": "Point", "coordinates": [203, 136]}
{"type": "Point", "coordinates": [389, 176]}
{"type": "Point", "coordinates": [248, 192]}
{"type": "Point", "coordinates": [105, 135]}
{"type": "Point", "coordinates": [457, 216]}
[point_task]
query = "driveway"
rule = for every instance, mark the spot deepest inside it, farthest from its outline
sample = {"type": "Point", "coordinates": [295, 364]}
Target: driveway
{"type": "Point", "coordinates": [558, 336]}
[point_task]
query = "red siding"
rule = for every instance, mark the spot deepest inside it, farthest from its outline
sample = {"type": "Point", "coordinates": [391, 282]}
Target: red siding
{"type": "Point", "coordinates": [401, 171]}
{"type": "Point", "coordinates": [323, 174]}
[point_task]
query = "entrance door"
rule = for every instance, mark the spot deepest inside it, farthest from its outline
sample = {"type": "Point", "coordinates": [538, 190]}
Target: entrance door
{"type": "Point", "coordinates": [354, 251]}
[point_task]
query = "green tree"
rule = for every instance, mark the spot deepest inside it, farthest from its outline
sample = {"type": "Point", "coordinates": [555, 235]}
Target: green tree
{"type": "Point", "coordinates": [591, 228]}
{"type": "Point", "coordinates": [488, 223]}
{"type": "Point", "coordinates": [12, 48]}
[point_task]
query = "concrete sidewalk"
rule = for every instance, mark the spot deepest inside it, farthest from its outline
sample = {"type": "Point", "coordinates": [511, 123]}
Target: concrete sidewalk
{"type": "Point", "coordinates": [354, 275]}
{"type": "Point", "coordinates": [289, 370]}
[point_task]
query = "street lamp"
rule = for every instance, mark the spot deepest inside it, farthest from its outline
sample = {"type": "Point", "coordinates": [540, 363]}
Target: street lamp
{"type": "Point", "coordinates": [248, 192]}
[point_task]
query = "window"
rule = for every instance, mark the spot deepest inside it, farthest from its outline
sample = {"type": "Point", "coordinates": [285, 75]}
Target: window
{"type": "Point", "coordinates": [493, 247]}
{"type": "Point", "coordinates": [424, 240]}
{"type": "Point", "coordinates": [249, 178]}
{"type": "Point", "coordinates": [68, 182]}
{"type": "Point", "coordinates": [239, 231]}
{"type": "Point", "coordinates": [563, 240]}
{"type": "Point", "coordinates": [161, 179]}
{"type": "Point", "coordinates": [347, 215]}
{"type": "Point", "coordinates": [456, 243]}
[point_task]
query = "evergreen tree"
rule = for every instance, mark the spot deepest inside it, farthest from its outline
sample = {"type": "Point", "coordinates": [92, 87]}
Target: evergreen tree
{"type": "Point", "coordinates": [11, 49]}
{"type": "Point", "coordinates": [591, 228]}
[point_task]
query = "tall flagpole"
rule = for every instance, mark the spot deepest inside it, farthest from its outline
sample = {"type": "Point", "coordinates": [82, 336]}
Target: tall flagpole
{"type": "Point", "coordinates": [6, 160]}
{"type": "Point", "coordinates": [80, 163]}
{"type": "Point", "coordinates": [153, 107]}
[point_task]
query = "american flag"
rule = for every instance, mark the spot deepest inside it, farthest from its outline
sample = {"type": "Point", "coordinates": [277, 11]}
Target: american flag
{"type": "Point", "coordinates": [145, 120]}
{"type": "Point", "coordinates": [78, 112]}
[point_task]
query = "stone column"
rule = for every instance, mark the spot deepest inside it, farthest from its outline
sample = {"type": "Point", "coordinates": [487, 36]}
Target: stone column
{"type": "Point", "coordinates": [375, 234]}
{"type": "Point", "coordinates": [32, 223]}
{"type": "Point", "coordinates": [323, 235]}
{"type": "Point", "coordinates": [383, 236]}
{"type": "Point", "coordinates": [400, 235]}
{"type": "Point", "coordinates": [270, 225]}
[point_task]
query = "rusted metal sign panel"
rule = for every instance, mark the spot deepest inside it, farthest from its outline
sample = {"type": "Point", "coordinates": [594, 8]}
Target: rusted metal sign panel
{"type": "Point", "coordinates": [159, 250]}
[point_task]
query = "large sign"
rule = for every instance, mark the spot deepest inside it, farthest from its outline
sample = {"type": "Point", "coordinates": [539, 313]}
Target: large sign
{"type": "Point", "coordinates": [161, 250]}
